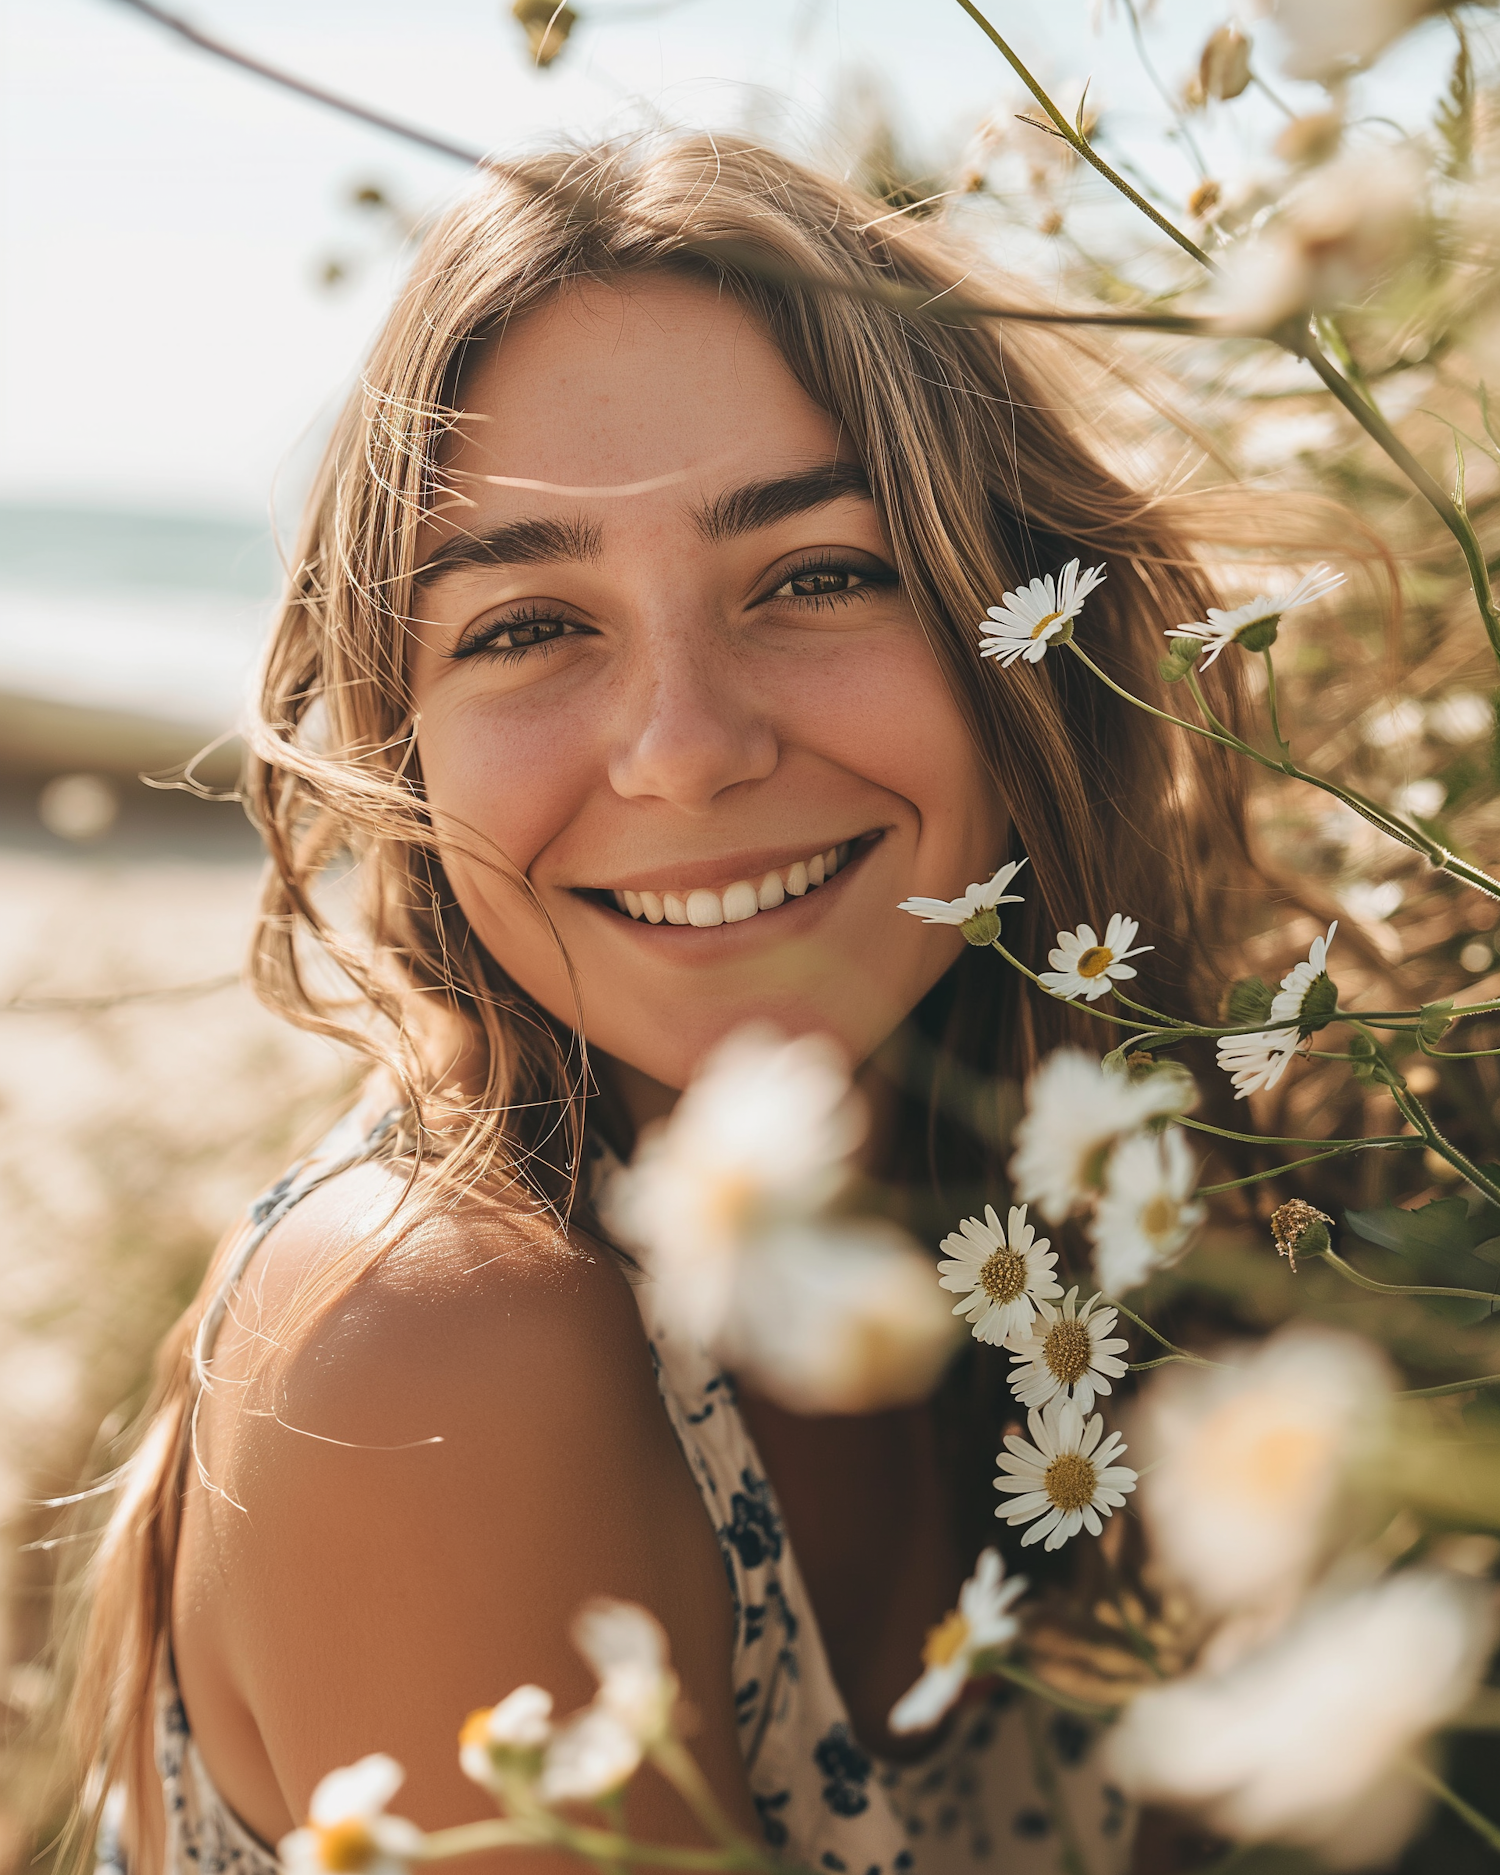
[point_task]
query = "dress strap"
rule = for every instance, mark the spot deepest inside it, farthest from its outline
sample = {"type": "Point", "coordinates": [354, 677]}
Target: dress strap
{"type": "Point", "coordinates": [345, 1146]}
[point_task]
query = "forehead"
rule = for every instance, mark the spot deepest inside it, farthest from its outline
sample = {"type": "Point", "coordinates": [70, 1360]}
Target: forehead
{"type": "Point", "coordinates": [618, 387]}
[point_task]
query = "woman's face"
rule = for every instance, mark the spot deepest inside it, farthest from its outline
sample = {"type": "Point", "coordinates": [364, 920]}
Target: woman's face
{"type": "Point", "coordinates": [664, 663]}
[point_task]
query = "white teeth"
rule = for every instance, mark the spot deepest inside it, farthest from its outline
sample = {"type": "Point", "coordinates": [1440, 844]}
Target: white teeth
{"type": "Point", "coordinates": [740, 902]}
{"type": "Point", "coordinates": [736, 902]}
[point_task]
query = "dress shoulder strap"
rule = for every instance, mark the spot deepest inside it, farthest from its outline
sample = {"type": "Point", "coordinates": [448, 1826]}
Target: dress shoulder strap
{"type": "Point", "coordinates": [351, 1142]}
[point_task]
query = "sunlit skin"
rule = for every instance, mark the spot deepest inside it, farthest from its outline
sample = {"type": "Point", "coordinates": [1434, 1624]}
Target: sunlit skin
{"type": "Point", "coordinates": [684, 692]}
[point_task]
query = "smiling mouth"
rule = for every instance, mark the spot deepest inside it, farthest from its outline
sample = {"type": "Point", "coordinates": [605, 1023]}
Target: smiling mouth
{"type": "Point", "coordinates": [705, 907]}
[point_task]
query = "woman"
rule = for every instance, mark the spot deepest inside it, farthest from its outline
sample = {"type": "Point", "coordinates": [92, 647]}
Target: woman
{"type": "Point", "coordinates": [640, 586]}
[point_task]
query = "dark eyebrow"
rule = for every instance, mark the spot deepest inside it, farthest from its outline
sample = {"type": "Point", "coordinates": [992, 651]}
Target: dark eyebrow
{"type": "Point", "coordinates": [517, 543]}
{"type": "Point", "coordinates": [762, 504]}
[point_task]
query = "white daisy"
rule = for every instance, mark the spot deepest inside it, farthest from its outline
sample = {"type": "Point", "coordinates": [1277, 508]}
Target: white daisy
{"type": "Point", "coordinates": [1292, 999]}
{"type": "Point", "coordinates": [1066, 1478]}
{"type": "Point", "coordinates": [1083, 966]}
{"type": "Point", "coordinates": [600, 1749]}
{"type": "Point", "coordinates": [1076, 1109]}
{"type": "Point", "coordinates": [1308, 1740]}
{"type": "Point", "coordinates": [1001, 1274]}
{"type": "Point", "coordinates": [506, 1740]}
{"type": "Point", "coordinates": [982, 1623]}
{"type": "Point", "coordinates": [1258, 1061]}
{"type": "Point", "coordinates": [347, 1829]}
{"type": "Point", "coordinates": [760, 1138]}
{"type": "Point", "coordinates": [1250, 1465]}
{"type": "Point", "coordinates": [1254, 624]}
{"type": "Point", "coordinates": [1146, 1215]}
{"type": "Point", "coordinates": [1026, 622]}
{"type": "Point", "coordinates": [1067, 1352]}
{"type": "Point", "coordinates": [976, 910]}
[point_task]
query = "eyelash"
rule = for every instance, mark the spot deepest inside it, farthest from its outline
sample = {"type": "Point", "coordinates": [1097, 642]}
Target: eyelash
{"type": "Point", "coordinates": [872, 575]}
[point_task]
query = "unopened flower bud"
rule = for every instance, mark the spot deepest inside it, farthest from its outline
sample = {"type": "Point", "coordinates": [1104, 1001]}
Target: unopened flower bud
{"type": "Point", "coordinates": [1300, 1229]}
{"type": "Point", "coordinates": [1436, 1020]}
{"type": "Point", "coordinates": [1183, 655]}
{"type": "Point", "coordinates": [1310, 139]}
{"type": "Point", "coordinates": [547, 27]}
{"type": "Point", "coordinates": [1224, 68]}
{"type": "Point", "coordinates": [1205, 199]}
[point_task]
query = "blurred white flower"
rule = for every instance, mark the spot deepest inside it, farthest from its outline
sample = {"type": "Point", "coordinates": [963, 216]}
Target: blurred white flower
{"type": "Point", "coordinates": [1076, 1109]}
{"type": "Point", "coordinates": [1146, 1216]}
{"type": "Point", "coordinates": [509, 1737]}
{"type": "Point", "coordinates": [838, 1318]}
{"type": "Point", "coordinates": [1069, 1351]}
{"type": "Point", "coordinates": [1066, 1479]}
{"type": "Point", "coordinates": [1461, 716]}
{"type": "Point", "coordinates": [970, 910]}
{"type": "Point", "coordinates": [1306, 1741]}
{"type": "Point", "coordinates": [1001, 1274]}
{"type": "Point", "coordinates": [1083, 965]}
{"type": "Point", "coordinates": [1256, 1062]}
{"type": "Point", "coordinates": [761, 1137]}
{"type": "Point", "coordinates": [981, 1623]}
{"type": "Point", "coordinates": [1026, 621]}
{"type": "Point", "coordinates": [1373, 901]}
{"type": "Point", "coordinates": [599, 1749]}
{"type": "Point", "coordinates": [1397, 724]}
{"type": "Point", "coordinates": [1326, 38]}
{"type": "Point", "coordinates": [627, 1648]}
{"type": "Point", "coordinates": [591, 1756]}
{"type": "Point", "coordinates": [347, 1830]}
{"type": "Point", "coordinates": [1291, 1001]}
{"type": "Point", "coordinates": [1254, 624]}
{"type": "Point", "coordinates": [1424, 799]}
{"type": "Point", "coordinates": [1247, 1464]}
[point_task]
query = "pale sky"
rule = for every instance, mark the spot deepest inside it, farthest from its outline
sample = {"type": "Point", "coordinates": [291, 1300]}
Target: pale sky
{"type": "Point", "coordinates": [163, 341]}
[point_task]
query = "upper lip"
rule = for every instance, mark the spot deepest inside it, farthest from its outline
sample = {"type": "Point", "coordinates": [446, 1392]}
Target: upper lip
{"type": "Point", "coordinates": [715, 874]}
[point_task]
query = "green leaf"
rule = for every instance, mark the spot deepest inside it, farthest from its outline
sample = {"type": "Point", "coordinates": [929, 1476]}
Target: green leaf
{"type": "Point", "coordinates": [1440, 1243]}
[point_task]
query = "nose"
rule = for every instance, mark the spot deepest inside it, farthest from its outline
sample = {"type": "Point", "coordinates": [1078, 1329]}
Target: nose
{"type": "Point", "coordinates": [690, 729]}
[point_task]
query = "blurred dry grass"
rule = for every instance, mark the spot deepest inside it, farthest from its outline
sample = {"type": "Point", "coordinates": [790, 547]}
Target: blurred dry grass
{"type": "Point", "coordinates": [131, 1137]}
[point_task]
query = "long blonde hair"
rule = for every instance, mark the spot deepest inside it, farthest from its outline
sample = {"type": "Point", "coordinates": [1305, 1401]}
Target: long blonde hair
{"type": "Point", "coordinates": [973, 435]}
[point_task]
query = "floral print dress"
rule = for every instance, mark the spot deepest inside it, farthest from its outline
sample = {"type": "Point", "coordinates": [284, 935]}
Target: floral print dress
{"type": "Point", "coordinates": [1012, 1786]}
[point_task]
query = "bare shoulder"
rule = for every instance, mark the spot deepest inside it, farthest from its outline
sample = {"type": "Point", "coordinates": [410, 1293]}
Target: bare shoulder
{"type": "Point", "coordinates": [422, 1456]}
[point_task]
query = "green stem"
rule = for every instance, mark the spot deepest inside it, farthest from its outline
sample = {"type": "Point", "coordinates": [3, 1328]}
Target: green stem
{"type": "Point", "coordinates": [1033, 1683]}
{"type": "Point", "coordinates": [1300, 342]}
{"type": "Point", "coordinates": [1277, 1139]}
{"type": "Point", "coordinates": [595, 1845]}
{"type": "Point", "coordinates": [1476, 1820]}
{"type": "Point", "coordinates": [1118, 1022]}
{"type": "Point", "coordinates": [1149, 68]}
{"type": "Point", "coordinates": [1281, 741]}
{"type": "Point", "coordinates": [1453, 1386]}
{"type": "Point", "coordinates": [1295, 1165]}
{"type": "Point", "coordinates": [1076, 140]}
{"type": "Point", "coordinates": [678, 1768]}
{"type": "Point", "coordinates": [1350, 1274]}
{"type": "Point", "coordinates": [1177, 1354]}
{"type": "Point", "coordinates": [1412, 1110]}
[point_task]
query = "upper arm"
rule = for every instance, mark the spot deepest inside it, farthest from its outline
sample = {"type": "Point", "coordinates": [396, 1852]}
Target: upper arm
{"type": "Point", "coordinates": [462, 1450]}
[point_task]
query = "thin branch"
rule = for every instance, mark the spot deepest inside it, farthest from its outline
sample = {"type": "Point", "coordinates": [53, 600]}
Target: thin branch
{"type": "Point", "coordinates": [114, 999]}
{"type": "Point", "coordinates": [331, 100]}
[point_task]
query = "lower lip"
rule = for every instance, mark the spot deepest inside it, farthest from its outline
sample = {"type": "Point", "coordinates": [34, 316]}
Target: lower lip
{"type": "Point", "coordinates": [786, 920]}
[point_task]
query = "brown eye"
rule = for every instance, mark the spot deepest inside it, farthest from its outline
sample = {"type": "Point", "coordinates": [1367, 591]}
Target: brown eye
{"type": "Point", "coordinates": [813, 584]}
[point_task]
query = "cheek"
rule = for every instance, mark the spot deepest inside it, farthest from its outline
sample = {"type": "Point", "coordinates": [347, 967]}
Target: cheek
{"type": "Point", "coordinates": [515, 775]}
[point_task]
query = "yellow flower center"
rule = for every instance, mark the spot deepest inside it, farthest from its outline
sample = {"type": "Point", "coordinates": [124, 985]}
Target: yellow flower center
{"type": "Point", "coordinates": [1042, 623]}
{"type": "Point", "coordinates": [946, 1640]}
{"type": "Point", "coordinates": [1094, 961]}
{"type": "Point", "coordinates": [475, 1730]}
{"type": "Point", "coordinates": [730, 1199]}
{"type": "Point", "coordinates": [1070, 1481]}
{"type": "Point", "coordinates": [345, 1847]}
{"type": "Point", "coordinates": [1002, 1275]}
{"type": "Point", "coordinates": [1067, 1350]}
{"type": "Point", "coordinates": [1159, 1218]}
